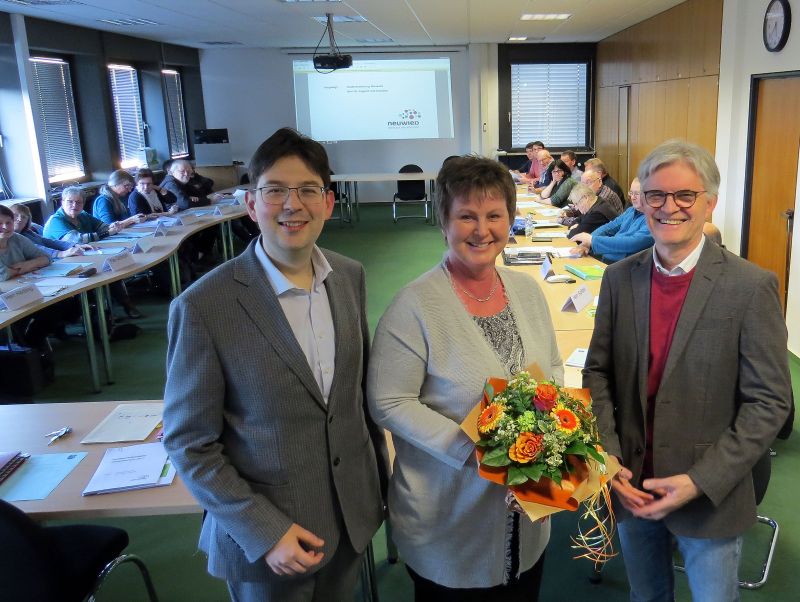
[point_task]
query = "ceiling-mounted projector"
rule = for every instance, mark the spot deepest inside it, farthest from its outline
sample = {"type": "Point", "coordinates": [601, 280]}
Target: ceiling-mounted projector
{"type": "Point", "coordinates": [333, 61]}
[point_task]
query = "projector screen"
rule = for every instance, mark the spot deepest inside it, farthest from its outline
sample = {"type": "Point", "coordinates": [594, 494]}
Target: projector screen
{"type": "Point", "coordinates": [394, 99]}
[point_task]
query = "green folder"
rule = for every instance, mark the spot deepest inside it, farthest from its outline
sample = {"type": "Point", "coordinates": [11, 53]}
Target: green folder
{"type": "Point", "coordinates": [586, 272]}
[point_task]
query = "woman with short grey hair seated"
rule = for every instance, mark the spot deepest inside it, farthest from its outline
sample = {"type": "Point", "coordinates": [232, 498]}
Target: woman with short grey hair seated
{"type": "Point", "coordinates": [594, 211]}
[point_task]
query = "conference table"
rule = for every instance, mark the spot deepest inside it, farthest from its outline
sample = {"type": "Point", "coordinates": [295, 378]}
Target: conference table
{"type": "Point", "coordinates": [351, 180]}
{"type": "Point", "coordinates": [165, 248]}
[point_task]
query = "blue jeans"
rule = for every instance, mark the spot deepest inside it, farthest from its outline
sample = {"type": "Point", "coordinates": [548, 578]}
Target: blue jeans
{"type": "Point", "coordinates": [712, 565]}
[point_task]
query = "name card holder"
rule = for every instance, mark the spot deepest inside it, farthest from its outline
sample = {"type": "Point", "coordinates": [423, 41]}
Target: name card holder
{"type": "Point", "coordinates": [118, 262]}
{"type": "Point", "coordinates": [21, 296]}
{"type": "Point", "coordinates": [145, 245]}
{"type": "Point", "coordinates": [187, 219]}
{"type": "Point", "coordinates": [161, 230]}
{"type": "Point", "coordinates": [547, 269]}
{"type": "Point", "coordinates": [578, 300]}
{"type": "Point", "coordinates": [225, 209]}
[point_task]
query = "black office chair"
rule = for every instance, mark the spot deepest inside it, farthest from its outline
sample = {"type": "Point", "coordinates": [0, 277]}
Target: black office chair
{"type": "Point", "coordinates": [66, 563]}
{"type": "Point", "coordinates": [410, 191]}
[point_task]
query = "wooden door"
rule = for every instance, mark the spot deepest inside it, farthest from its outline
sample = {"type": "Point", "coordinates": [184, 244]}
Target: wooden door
{"type": "Point", "coordinates": [774, 176]}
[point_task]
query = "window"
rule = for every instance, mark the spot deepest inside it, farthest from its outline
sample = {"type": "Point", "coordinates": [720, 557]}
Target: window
{"type": "Point", "coordinates": [52, 88]}
{"type": "Point", "coordinates": [548, 102]}
{"type": "Point", "coordinates": [127, 114]}
{"type": "Point", "coordinates": [176, 121]}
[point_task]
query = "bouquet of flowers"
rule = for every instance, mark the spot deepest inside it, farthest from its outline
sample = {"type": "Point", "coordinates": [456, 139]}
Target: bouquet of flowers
{"type": "Point", "coordinates": [541, 441]}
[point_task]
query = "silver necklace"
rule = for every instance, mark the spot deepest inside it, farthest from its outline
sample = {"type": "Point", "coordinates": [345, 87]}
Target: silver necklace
{"type": "Point", "coordinates": [454, 284]}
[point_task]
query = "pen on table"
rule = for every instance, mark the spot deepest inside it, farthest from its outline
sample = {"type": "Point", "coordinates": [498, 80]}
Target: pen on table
{"type": "Point", "coordinates": [55, 435]}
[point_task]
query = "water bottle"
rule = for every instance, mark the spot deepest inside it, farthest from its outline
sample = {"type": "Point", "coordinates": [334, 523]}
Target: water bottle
{"type": "Point", "coordinates": [529, 225]}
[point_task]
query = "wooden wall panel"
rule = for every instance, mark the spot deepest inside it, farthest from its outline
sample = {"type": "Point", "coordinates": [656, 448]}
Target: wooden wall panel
{"type": "Point", "coordinates": [671, 62]}
{"type": "Point", "coordinates": [702, 111]}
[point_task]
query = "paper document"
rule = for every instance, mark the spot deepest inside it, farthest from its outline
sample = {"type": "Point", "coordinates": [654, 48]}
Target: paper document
{"type": "Point", "coordinates": [577, 358]}
{"type": "Point", "coordinates": [64, 281]}
{"type": "Point", "coordinates": [40, 474]}
{"type": "Point", "coordinates": [50, 291]}
{"type": "Point", "coordinates": [125, 468]}
{"type": "Point", "coordinates": [106, 251]}
{"type": "Point", "coordinates": [127, 422]}
{"type": "Point", "coordinates": [127, 234]}
{"type": "Point", "coordinates": [61, 268]}
{"type": "Point", "coordinates": [549, 211]}
{"type": "Point", "coordinates": [147, 224]}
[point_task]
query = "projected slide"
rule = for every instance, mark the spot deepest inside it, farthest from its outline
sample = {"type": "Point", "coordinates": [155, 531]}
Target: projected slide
{"type": "Point", "coordinates": [375, 100]}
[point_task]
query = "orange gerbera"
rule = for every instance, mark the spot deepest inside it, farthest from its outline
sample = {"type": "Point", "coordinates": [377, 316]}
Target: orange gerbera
{"type": "Point", "coordinates": [566, 420]}
{"type": "Point", "coordinates": [490, 418]}
{"type": "Point", "coordinates": [526, 448]}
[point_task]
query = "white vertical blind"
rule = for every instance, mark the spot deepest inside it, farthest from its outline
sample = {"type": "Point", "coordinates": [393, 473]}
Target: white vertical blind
{"type": "Point", "coordinates": [548, 102]}
{"type": "Point", "coordinates": [127, 114]}
{"type": "Point", "coordinates": [52, 87]}
{"type": "Point", "coordinates": [176, 120]}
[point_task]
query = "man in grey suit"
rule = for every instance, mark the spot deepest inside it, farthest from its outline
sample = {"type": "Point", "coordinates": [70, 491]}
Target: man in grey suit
{"type": "Point", "coordinates": [264, 411]}
{"type": "Point", "coordinates": [689, 375]}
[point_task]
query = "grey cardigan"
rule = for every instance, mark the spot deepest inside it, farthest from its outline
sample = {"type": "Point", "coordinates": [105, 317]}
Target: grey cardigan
{"type": "Point", "coordinates": [427, 369]}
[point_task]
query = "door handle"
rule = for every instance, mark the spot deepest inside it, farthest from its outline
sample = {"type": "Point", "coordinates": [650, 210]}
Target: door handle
{"type": "Point", "coordinates": [789, 216]}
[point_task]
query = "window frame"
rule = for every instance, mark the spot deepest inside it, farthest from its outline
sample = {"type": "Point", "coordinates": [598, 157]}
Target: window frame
{"type": "Point", "coordinates": [124, 161]}
{"type": "Point", "coordinates": [514, 54]}
{"type": "Point", "coordinates": [71, 121]}
{"type": "Point", "coordinates": [171, 119]}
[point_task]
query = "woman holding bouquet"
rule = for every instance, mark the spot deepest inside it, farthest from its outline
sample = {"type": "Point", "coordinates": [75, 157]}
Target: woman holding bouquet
{"type": "Point", "coordinates": [442, 336]}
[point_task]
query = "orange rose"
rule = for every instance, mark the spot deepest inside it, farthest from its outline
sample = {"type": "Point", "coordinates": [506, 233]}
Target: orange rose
{"type": "Point", "coordinates": [526, 448]}
{"type": "Point", "coordinates": [545, 397]}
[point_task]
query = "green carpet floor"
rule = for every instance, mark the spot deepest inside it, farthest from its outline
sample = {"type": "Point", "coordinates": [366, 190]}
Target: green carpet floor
{"type": "Point", "coordinates": [393, 254]}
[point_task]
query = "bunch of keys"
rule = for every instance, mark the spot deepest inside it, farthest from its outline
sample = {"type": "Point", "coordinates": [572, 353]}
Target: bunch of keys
{"type": "Point", "coordinates": [56, 435]}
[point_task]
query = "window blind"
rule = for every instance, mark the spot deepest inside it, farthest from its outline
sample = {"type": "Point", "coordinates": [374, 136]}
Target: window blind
{"type": "Point", "coordinates": [127, 114]}
{"type": "Point", "coordinates": [52, 88]}
{"type": "Point", "coordinates": [548, 102]}
{"type": "Point", "coordinates": [176, 120]}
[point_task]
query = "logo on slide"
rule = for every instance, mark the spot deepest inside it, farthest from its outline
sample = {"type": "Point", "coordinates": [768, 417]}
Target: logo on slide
{"type": "Point", "coordinates": [410, 118]}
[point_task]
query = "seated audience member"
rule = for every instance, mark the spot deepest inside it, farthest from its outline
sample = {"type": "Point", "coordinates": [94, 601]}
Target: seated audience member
{"type": "Point", "coordinates": [599, 166]}
{"type": "Point", "coordinates": [547, 163]}
{"type": "Point", "coordinates": [55, 249]}
{"type": "Point", "coordinates": [73, 224]}
{"type": "Point", "coordinates": [556, 193]}
{"type": "Point", "coordinates": [531, 169]}
{"type": "Point", "coordinates": [178, 183]}
{"type": "Point", "coordinates": [712, 233]}
{"type": "Point", "coordinates": [594, 212]}
{"type": "Point", "coordinates": [594, 180]}
{"type": "Point", "coordinates": [571, 159]}
{"type": "Point", "coordinates": [111, 205]}
{"type": "Point", "coordinates": [622, 236]}
{"type": "Point", "coordinates": [200, 185]}
{"type": "Point", "coordinates": [145, 200]}
{"type": "Point", "coordinates": [18, 255]}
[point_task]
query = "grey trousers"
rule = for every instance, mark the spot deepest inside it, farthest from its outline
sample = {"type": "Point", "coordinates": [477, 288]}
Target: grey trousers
{"type": "Point", "coordinates": [335, 582]}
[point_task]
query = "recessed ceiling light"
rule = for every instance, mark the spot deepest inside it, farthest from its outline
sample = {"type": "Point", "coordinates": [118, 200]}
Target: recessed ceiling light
{"type": "Point", "coordinates": [374, 40]}
{"type": "Point", "coordinates": [129, 22]}
{"type": "Point", "coordinates": [222, 43]}
{"type": "Point", "coordinates": [302, 1]}
{"type": "Point", "coordinates": [545, 16]}
{"type": "Point", "coordinates": [517, 38]}
{"type": "Point", "coordinates": [340, 19]}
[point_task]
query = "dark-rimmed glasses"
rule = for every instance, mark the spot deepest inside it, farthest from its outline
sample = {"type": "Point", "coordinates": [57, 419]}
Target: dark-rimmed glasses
{"type": "Point", "coordinates": [682, 198]}
{"type": "Point", "coordinates": [278, 195]}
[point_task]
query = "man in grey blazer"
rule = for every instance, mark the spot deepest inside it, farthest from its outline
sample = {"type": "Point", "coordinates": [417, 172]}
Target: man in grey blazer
{"type": "Point", "coordinates": [689, 375]}
{"type": "Point", "coordinates": [264, 411]}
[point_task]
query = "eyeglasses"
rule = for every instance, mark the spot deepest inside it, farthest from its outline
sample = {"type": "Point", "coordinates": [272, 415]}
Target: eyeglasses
{"type": "Point", "coordinates": [636, 193]}
{"type": "Point", "coordinates": [682, 198]}
{"type": "Point", "coordinates": [278, 195]}
{"type": "Point", "coordinates": [72, 201]}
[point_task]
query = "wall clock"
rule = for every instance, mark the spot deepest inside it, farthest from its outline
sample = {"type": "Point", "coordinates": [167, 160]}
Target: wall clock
{"type": "Point", "coordinates": [777, 23]}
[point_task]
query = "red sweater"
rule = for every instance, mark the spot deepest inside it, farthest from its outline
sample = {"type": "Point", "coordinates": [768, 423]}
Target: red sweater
{"type": "Point", "coordinates": [667, 294]}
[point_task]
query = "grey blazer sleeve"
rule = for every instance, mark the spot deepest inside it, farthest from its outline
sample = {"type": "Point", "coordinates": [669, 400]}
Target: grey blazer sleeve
{"type": "Point", "coordinates": [598, 374]}
{"type": "Point", "coordinates": [764, 393]}
{"type": "Point", "coordinates": [193, 422]}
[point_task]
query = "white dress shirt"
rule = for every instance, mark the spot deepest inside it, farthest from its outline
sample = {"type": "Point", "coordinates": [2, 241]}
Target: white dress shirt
{"type": "Point", "coordinates": [685, 266]}
{"type": "Point", "coordinates": [308, 314]}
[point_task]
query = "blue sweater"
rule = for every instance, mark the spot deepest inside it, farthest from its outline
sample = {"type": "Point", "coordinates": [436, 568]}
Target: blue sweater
{"type": "Point", "coordinates": [103, 209]}
{"type": "Point", "coordinates": [89, 228]}
{"type": "Point", "coordinates": [49, 246]}
{"type": "Point", "coordinates": [625, 235]}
